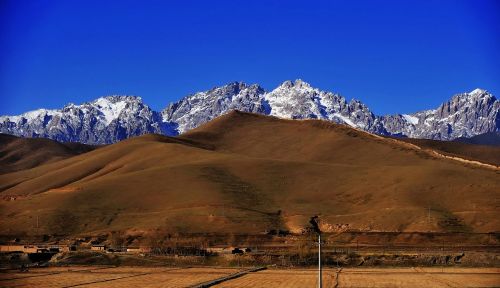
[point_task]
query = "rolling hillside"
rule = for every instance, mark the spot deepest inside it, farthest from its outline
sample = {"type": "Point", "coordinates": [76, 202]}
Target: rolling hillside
{"type": "Point", "coordinates": [248, 173]}
{"type": "Point", "coordinates": [489, 138]}
{"type": "Point", "coordinates": [471, 151]}
{"type": "Point", "coordinates": [24, 153]}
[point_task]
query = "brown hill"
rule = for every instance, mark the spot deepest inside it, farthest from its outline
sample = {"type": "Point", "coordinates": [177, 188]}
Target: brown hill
{"type": "Point", "coordinates": [245, 173]}
{"type": "Point", "coordinates": [489, 138]}
{"type": "Point", "coordinates": [475, 152]}
{"type": "Point", "coordinates": [25, 153]}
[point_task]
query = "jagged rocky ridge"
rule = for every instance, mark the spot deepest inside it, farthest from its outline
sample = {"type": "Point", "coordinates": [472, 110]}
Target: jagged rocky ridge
{"type": "Point", "coordinates": [105, 120]}
{"type": "Point", "coordinates": [114, 118]}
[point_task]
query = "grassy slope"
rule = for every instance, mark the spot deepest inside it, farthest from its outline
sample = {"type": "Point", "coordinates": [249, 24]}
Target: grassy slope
{"type": "Point", "coordinates": [24, 153]}
{"type": "Point", "coordinates": [489, 138]}
{"type": "Point", "coordinates": [481, 153]}
{"type": "Point", "coordinates": [249, 173]}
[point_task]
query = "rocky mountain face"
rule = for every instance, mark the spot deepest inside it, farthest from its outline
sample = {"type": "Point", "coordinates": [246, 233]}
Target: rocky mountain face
{"type": "Point", "coordinates": [291, 100]}
{"type": "Point", "coordinates": [111, 119]}
{"type": "Point", "coordinates": [194, 110]}
{"type": "Point", "coordinates": [465, 115]}
{"type": "Point", "coordinates": [105, 120]}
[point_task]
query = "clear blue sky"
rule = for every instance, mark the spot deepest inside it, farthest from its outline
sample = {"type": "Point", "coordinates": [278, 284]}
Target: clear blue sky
{"type": "Point", "coordinates": [396, 56]}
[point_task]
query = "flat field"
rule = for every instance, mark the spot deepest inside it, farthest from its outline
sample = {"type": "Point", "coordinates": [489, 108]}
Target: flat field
{"type": "Point", "coordinates": [375, 277]}
{"type": "Point", "coordinates": [101, 276]}
{"type": "Point", "coordinates": [112, 277]}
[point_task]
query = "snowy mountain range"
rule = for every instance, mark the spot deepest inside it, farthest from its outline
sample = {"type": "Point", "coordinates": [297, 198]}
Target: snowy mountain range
{"type": "Point", "coordinates": [105, 120]}
{"type": "Point", "coordinates": [114, 118]}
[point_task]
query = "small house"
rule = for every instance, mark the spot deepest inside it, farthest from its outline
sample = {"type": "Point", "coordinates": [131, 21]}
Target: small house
{"type": "Point", "coordinates": [98, 248]}
{"type": "Point", "coordinates": [138, 249]}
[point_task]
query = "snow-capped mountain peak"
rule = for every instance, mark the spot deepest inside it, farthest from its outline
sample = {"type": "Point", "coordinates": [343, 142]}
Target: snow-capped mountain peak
{"type": "Point", "coordinates": [201, 107]}
{"type": "Point", "coordinates": [105, 120]}
{"type": "Point", "coordinates": [111, 106]}
{"type": "Point", "coordinates": [297, 84]}
{"type": "Point", "coordinates": [464, 115]}
{"type": "Point", "coordinates": [299, 100]}
{"type": "Point", "coordinates": [475, 95]}
{"type": "Point", "coordinates": [478, 91]}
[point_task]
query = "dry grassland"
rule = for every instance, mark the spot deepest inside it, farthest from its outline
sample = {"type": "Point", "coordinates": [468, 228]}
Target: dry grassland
{"type": "Point", "coordinates": [134, 277]}
{"type": "Point", "coordinates": [382, 277]}
{"type": "Point", "coordinates": [113, 277]}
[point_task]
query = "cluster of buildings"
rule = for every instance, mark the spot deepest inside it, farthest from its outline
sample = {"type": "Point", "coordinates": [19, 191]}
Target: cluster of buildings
{"type": "Point", "coordinates": [41, 248]}
{"type": "Point", "coordinates": [105, 248]}
{"type": "Point", "coordinates": [56, 248]}
{"type": "Point", "coordinates": [45, 248]}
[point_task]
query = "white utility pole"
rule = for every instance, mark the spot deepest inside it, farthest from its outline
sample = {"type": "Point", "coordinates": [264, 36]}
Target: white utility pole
{"type": "Point", "coordinates": [319, 262]}
{"type": "Point", "coordinates": [429, 215]}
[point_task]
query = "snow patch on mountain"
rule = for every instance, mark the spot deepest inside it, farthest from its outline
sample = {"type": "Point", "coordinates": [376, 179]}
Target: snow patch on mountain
{"type": "Point", "coordinates": [29, 116]}
{"type": "Point", "coordinates": [411, 119]}
{"type": "Point", "coordinates": [110, 111]}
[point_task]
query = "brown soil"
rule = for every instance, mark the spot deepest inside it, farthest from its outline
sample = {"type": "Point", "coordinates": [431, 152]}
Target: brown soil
{"type": "Point", "coordinates": [245, 173]}
{"type": "Point", "coordinates": [190, 277]}
{"type": "Point", "coordinates": [482, 153]}
{"type": "Point", "coordinates": [25, 153]}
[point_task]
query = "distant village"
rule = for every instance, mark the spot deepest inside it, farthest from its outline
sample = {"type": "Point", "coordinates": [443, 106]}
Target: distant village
{"type": "Point", "coordinates": [45, 248]}
{"type": "Point", "coordinates": [57, 248]}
